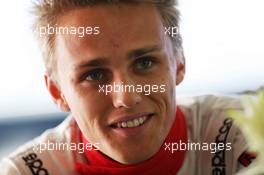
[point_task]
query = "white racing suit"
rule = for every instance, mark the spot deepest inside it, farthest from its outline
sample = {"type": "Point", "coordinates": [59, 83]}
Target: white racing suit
{"type": "Point", "coordinates": [206, 122]}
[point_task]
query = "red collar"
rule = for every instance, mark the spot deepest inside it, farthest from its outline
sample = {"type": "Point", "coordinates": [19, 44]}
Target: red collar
{"type": "Point", "coordinates": [163, 162]}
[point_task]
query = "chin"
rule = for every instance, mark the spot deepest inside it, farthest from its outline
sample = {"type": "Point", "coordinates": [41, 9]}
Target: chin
{"type": "Point", "coordinates": [134, 160]}
{"type": "Point", "coordinates": [134, 156]}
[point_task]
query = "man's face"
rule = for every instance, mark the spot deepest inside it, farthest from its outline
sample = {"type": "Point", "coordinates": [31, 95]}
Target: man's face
{"type": "Point", "coordinates": [131, 49]}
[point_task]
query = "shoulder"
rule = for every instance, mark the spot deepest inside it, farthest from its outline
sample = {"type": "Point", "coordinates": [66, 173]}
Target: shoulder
{"type": "Point", "coordinates": [206, 115]}
{"type": "Point", "coordinates": [208, 122]}
{"type": "Point", "coordinates": [207, 103]}
{"type": "Point", "coordinates": [206, 111]}
{"type": "Point", "coordinates": [40, 156]}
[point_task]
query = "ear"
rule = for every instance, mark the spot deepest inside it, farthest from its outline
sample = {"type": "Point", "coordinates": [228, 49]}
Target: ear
{"type": "Point", "coordinates": [56, 94]}
{"type": "Point", "coordinates": [180, 61]}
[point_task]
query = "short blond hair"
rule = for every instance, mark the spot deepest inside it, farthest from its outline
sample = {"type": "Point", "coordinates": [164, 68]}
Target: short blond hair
{"type": "Point", "coordinates": [48, 11]}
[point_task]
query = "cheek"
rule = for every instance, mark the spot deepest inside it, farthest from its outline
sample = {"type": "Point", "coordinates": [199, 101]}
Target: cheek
{"type": "Point", "coordinates": [89, 109]}
{"type": "Point", "coordinates": [86, 100]}
{"type": "Point", "coordinates": [168, 82]}
{"type": "Point", "coordinates": [167, 98]}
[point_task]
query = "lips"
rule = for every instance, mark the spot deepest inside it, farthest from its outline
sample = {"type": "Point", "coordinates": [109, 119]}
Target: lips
{"type": "Point", "coordinates": [131, 121]}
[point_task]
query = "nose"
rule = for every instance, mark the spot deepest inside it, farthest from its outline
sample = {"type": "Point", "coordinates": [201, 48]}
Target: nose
{"type": "Point", "coordinates": [125, 97]}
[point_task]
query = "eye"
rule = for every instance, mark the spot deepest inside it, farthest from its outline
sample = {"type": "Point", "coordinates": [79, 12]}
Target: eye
{"type": "Point", "coordinates": [95, 75]}
{"type": "Point", "coordinates": [144, 63]}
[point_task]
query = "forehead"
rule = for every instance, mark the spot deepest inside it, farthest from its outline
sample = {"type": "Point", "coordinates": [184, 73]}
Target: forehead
{"type": "Point", "coordinates": [122, 27]}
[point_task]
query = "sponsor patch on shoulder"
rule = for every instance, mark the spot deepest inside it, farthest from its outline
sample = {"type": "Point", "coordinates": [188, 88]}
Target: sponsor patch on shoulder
{"type": "Point", "coordinates": [247, 158]}
{"type": "Point", "coordinates": [35, 164]}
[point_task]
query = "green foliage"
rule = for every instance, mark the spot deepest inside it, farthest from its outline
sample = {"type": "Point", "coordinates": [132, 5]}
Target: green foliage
{"type": "Point", "coordinates": [251, 122]}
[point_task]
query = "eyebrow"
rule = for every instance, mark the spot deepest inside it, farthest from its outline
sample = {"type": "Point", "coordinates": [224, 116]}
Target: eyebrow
{"type": "Point", "coordinates": [101, 61]}
{"type": "Point", "coordinates": [142, 51]}
{"type": "Point", "coordinates": [96, 62]}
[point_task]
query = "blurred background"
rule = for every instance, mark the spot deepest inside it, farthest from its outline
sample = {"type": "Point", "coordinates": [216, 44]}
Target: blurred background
{"type": "Point", "coordinates": [222, 40]}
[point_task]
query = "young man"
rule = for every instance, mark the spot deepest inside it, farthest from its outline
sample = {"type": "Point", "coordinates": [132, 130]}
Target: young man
{"type": "Point", "coordinates": [115, 65]}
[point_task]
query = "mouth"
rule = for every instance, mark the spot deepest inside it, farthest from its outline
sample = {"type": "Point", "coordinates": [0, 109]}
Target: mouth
{"type": "Point", "coordinates": [132, 122]}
